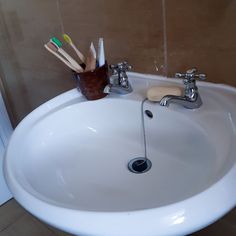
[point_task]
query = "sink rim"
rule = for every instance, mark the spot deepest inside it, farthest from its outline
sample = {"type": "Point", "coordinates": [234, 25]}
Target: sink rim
{"type": "Point", "coordinates": [166, 215]}
{"type": "Point", "coordinates": [170, 214]}
{"type": "Point", "coordinates": [42, 195]}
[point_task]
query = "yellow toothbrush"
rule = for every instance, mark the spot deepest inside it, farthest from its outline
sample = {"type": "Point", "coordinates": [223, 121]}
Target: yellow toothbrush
{"type": "Point", "coordinates": [69, 41]}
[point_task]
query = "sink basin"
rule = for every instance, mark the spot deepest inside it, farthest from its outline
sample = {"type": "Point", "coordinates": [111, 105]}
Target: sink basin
{"type": "Point", "coordinates": [66, 162]}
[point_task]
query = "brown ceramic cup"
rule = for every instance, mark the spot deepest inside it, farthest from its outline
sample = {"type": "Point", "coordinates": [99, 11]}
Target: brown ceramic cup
{"type": "Point", "coordinates": [92, 83]}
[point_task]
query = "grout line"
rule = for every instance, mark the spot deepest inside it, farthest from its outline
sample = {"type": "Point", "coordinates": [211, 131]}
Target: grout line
{"type": "Point", "coordinates": [9, 225]}
{"type": "Point", "coordinates": [164, 38]}
{"type": "Point", "coordinates": [60, 16]}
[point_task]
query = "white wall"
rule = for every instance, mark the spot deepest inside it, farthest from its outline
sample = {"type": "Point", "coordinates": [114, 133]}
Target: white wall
{"type": "Point", "coordinates": [5, 133]}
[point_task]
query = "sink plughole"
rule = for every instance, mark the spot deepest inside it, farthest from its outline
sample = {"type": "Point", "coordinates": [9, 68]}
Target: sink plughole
{"type": "Point", "coordinates": [67, 161]}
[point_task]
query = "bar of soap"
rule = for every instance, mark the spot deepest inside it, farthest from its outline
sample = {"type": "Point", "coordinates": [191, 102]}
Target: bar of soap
{"type": "Point", "coordinates": [156, 93]}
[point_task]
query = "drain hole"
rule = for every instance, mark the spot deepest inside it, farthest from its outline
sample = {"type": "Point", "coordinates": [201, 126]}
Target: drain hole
{"type": "Point", "coordinates": [149, 114]}
{"type": "Point", "coordinates": [139, 165]}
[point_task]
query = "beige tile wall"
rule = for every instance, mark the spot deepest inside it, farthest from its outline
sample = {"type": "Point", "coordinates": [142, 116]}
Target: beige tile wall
{"type": "Point", "coordinates": [30, 75]}
{"type": "Point", "coordinates": [155, 36]}
{"type": "Point", "coordinates": [132, 30]}
{"type": "Point", "coordinates": [202, 33]}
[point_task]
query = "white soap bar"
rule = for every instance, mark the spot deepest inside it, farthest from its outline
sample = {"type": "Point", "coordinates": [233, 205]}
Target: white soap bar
{"type": "Point", "coordinates": [156, 93]}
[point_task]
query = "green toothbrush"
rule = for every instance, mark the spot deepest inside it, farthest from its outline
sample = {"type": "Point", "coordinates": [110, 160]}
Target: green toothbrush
{"type": "Point", "coordinates": [57, 43]}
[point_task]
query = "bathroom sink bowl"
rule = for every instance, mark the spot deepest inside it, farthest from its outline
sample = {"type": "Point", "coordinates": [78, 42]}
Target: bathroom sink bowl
{"type": "Point", "coordinates": [66, 162]}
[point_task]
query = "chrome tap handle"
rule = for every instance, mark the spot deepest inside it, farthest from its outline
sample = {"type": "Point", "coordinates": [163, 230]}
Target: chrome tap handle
{"type": "Point", "coordinates": [201, 76]}
{"type": "Point", "coordinates": [191, 71]}
{"type": "Point", "coordinates": [190, 75]}
{"type": "Point", "coordinates": [113, 69]}
{"type": "Point", "coordinates": [119, 81]}
{"type": "Point", "coordinates": [120, 67]}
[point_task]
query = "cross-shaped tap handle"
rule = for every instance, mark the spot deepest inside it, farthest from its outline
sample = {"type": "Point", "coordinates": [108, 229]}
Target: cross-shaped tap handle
{"type": "Point", "coordinates": [120, 67]}
{"type": "Point", "coordinates": [191, 75]}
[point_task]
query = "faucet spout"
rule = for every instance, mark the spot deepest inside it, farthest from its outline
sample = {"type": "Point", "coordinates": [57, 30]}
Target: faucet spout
{"type": "Point", "coordinates": [119, 82]}
{"type": "Point", "coordinates": [183, 101]}
{"type": "Point", "coordinates": [191, 98]}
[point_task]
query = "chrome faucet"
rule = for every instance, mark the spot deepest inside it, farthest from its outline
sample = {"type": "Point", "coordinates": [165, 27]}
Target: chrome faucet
{"type": "Point", "coordinates": [119, 82]}
{"type": "Point", "coordinates": [191, 98]}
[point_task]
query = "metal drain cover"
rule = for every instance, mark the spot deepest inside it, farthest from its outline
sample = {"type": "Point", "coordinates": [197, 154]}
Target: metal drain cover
{"type": "Point", "coordinates": [139, 165]}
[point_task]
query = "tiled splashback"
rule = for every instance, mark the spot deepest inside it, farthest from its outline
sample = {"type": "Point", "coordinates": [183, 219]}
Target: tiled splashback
{"type": "Point", "coordinates": [155, 36]}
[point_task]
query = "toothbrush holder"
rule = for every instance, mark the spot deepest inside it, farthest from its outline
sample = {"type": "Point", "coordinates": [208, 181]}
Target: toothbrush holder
{"type": "Point", "coordinates": [92, 83]}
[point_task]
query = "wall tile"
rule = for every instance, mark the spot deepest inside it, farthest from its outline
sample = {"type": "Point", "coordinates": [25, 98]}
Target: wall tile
{"type": "Point", "coordinates": [30, 74]}
{"type": "Point", "coordinates": [132, 30]}
{"type": "Point", "coordinates": [202, 33]}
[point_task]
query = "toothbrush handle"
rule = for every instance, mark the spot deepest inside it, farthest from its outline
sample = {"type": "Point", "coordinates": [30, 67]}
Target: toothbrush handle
{"type": "Point", "coordinates": [79, 54]}
{"type": "Point", "coordinates": [70, 59]}
{"type": "Point", "coordinates": [60, 58]}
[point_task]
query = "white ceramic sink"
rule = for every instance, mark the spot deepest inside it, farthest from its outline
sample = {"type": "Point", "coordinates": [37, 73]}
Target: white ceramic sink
{"type": "Point", "coordinates": [67, 161]}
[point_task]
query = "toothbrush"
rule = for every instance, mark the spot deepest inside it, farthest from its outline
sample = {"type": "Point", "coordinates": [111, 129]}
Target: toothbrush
{"type": "Point", "coordinates": [51, 49]}
{"type": "Point", "coordinates": [57, 43]}
{"type": "Point", "coordinates": [101, 54]}
{"type": "Point", "coordinates": [91, 58]}
{"type": "Point", "coordinates": [69, 41]}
